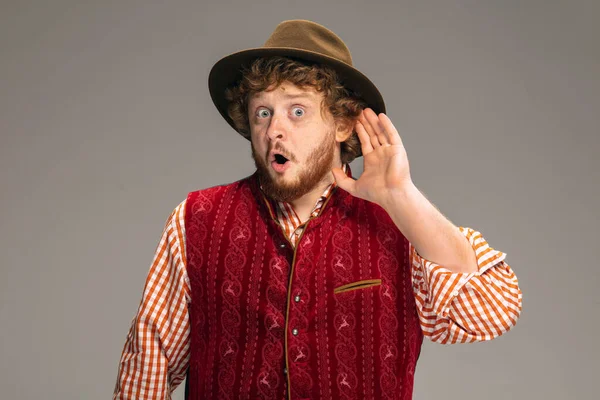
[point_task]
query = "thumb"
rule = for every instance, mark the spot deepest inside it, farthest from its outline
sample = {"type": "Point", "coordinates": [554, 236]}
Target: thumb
{"type": "Point", "coordinates": [343, 181]}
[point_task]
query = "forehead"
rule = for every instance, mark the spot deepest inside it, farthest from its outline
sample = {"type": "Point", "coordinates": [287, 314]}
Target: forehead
{"type": "Point", "coordinates": [287, 91]}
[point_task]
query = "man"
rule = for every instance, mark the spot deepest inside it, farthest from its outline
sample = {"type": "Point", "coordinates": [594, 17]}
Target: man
{"type": "Point", "coordinates": [300, 282]}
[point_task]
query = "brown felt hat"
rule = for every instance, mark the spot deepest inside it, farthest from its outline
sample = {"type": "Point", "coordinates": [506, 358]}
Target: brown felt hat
{"type": "Point", "coordinates": [300, 40]}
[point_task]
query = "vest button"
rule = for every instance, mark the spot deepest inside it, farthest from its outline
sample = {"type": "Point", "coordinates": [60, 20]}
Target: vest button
{"type": "Point", "coordinates": [285, 371]}
{"type": "Point", "coordinates": [282, 246]}
{"type": "Point", "coordinates": [297, 298]}
{"type": "Point", "coordinates": [295, 332]}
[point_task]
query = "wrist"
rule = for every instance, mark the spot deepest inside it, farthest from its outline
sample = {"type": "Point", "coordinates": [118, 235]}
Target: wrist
{"type": "Point", "coordinates": [399, 196]}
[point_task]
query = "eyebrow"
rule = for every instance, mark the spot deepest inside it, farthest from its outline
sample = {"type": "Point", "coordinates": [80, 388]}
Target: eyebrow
{"type": "Point", "coordinates": [296, 96]}
{"type": "Point", "coordinates": [289, 96]}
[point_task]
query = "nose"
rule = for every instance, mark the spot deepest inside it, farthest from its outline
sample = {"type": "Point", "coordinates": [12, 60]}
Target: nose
{"type": "Point", "coordinates": [276, 129]}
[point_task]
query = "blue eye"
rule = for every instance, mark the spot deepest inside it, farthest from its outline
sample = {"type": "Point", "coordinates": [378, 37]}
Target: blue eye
{"type": "Point", "coordinates": [263, 113]}
{"type": "Point", "coordinates": [298, 112]}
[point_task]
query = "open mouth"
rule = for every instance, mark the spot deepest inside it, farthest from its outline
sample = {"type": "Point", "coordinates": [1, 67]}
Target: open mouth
{"type": "Point", "coordinates": [281, 160]}
{"type": "Point", "coordinates": [280, 163]}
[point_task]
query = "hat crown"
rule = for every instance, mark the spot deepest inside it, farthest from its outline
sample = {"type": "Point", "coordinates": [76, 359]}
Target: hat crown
{"type": "Point", "coordinates": [310, 36]}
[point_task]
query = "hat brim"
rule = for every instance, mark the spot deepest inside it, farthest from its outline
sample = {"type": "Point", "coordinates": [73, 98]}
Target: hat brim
{"type": "Point", "coordinates": [227, 72]}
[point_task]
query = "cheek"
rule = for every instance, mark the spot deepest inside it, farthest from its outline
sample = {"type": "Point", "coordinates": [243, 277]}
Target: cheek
{"type": "Point", "coordinates": [256, 145]}
{"type": "Point", "coordinates": [257, 139]}
{"type": "Point", "coordinates": [259, 149]}
{"type": "Point", "coordinates": [304, 151]}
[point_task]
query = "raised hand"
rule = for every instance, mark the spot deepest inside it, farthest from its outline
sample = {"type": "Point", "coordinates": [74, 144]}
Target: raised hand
{"type": "Point", "coordinates": [386, 169]}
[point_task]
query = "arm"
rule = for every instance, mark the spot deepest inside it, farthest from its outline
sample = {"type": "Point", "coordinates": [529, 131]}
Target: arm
{"type": "Point", "coordinates": [466, 299]}
{"type": "Point", "coordinates": [470, 306]}
{"type": "Point", "coordinates": [465, 291]}
{"type": "Point", "coordinates": [386, 181]}
{"type": "Point", "coordinates": [433, 236]}
{"type": "Point", "coordinates": [155, 357]}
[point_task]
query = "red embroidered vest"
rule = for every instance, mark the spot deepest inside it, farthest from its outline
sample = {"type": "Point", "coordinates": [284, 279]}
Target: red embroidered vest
{"type": "Point", "coordinates": [333, 319]}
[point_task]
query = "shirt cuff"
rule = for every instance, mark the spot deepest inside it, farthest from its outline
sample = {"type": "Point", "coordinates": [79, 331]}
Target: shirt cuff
{"type": "Point", "coordinates": [444, 285]}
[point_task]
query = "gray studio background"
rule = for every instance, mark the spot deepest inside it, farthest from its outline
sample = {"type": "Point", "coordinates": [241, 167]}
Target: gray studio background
{"type": "Point", "coordinates": [106, 124]}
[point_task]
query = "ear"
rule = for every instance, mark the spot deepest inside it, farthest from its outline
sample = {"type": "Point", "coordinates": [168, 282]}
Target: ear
{"type": "Point", "coordinates": [343, 130]}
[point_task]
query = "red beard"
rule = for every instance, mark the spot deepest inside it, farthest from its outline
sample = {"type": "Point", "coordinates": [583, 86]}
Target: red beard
{"type": "Point", "coordinates": [317, 166]}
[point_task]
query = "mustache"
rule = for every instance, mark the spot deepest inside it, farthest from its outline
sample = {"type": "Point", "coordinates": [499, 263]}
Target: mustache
{"type": "Point", "coordinates": [279, 148]}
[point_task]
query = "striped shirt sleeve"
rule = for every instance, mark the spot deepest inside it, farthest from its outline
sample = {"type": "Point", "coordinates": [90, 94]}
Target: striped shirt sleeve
{"type": "Point", "coordinates": [155, 357]}
{"type": "Point", "coordinates": [466, 307]}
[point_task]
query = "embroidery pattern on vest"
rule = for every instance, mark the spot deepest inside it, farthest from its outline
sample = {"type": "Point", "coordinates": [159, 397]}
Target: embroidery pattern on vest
{"type": "Point", "coordinates": [230, 291]}
{"type": "Point", "coordinates": [216, 235]}
{"type": "Point", "coordinates": [322, 319]}
{"type": "Point", "coordinates": [198, 207]}
{"type": "Point", "coordinates": [272, 351]}
{"type": "Point", "coordinates": [368, 311]}
{"type": "Point", "coordinates": [253, 315]}
{"type": "Point", "coordinates": [344, 318]}
{"type": "Point", "coordinates": [387, 238]}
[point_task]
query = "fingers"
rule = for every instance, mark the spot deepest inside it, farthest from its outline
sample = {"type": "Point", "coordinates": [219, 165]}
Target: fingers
{"type": "Point", "coordinates": [363, 136]}
{"type": "Point", "coordinates": [391, 133]}
{"type": "Point", "coordinates": [367, 123]}
{"type": "Point", "coordinates": [380, 129]}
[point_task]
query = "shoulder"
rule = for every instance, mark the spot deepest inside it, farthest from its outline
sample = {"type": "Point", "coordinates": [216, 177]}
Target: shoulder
{"type": "Point", "coordinates": [215, 190]}
{"type": "Point", "coordinates": [205, 199]}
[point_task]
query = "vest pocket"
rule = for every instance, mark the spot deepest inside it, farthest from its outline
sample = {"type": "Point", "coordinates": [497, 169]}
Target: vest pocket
{"type": "Point", "coordinates": [357, 285]}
